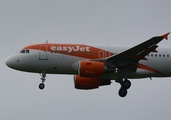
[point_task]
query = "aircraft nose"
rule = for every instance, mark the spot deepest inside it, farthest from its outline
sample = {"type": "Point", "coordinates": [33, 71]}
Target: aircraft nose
{"type": "Point", "coordinates": [8, 62]}
{"type": "Point", "coordinates": [11, 62]}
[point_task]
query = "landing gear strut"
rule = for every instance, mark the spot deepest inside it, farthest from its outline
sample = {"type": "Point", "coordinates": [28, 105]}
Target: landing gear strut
{"type": "Point", "coordinates": [43, 76]}
{"type": "Point", "coordinates": [126, 84]}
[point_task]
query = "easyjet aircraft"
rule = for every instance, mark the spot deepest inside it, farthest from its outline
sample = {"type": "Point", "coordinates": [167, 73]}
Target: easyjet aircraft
{"type": "Point", "coordinates": [94, 66]}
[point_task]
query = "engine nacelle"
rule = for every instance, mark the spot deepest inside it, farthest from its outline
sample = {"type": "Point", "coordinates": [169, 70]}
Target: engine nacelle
{"type": "Point", "coordinates": [91, 68]}
{"type": "Point", "coordinates": [86, 83]}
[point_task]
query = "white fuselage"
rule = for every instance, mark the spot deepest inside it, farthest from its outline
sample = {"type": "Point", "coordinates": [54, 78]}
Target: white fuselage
{"type": "Point", "coordinates": [58, 63]}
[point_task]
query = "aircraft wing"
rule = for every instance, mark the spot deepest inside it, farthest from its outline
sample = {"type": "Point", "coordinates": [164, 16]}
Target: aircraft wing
{"type": "Point", "coordinates": [138, 52]}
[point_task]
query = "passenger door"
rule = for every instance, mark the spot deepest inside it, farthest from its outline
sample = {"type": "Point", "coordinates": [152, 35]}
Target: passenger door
{"type": "Point", "coordinates": [43, 52]}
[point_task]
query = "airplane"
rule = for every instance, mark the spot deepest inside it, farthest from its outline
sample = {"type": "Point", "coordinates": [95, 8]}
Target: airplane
{"type": "Point", "coordinates": [95, 66]}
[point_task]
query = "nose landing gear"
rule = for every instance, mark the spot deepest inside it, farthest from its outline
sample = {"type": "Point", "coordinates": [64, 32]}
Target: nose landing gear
{"type": "Point", "coordinates": [43, 76]}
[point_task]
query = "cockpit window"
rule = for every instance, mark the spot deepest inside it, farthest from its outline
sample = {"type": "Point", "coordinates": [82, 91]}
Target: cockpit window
{"type": "Point", "coordinates": [25, 51]}
{"type": "Point", "coordinates": [22, 51]}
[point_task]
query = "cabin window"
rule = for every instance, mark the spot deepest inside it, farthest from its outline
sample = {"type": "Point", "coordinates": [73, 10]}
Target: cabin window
{"type": "Point", "coordinates": [159, 55]}
{"type": "Point", "coordinates": [155, 55]}
{"type": "Point", "coordinates": [151, 55]}
{"type": "Point", "coordinates": [163, 55]}
{"type": "Point", "coordinates": [167, 55]}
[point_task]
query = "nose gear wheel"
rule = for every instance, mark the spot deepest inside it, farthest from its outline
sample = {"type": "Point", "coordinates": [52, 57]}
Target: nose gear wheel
{"type": "Point", "coordinates": [43, 78]}
{"type": "Point", "coordinates": [41, 86]}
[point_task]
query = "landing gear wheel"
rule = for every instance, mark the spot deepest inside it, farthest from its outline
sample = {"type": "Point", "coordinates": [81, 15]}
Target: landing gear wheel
{"type": "Point", "coordinates": [41, 86]}
{"type": "Point", "coordinates": [43, 78]}
{"type": "Point", "coordinates": [122, 92]}
{"type": "Point", "coordinates": [126, 84]}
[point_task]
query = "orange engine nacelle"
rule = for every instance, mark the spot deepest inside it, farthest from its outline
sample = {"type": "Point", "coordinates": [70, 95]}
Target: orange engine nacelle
{"type": "Point", "coordinates": [91, 68]}
{"type": "Point", "coordinates": [86, 83]}
{"type": "Point", "coordinates": [89, 83]}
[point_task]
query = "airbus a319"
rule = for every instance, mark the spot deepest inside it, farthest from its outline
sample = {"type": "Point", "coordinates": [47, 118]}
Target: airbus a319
{"type": "Point", "coordinates": [94, 66]}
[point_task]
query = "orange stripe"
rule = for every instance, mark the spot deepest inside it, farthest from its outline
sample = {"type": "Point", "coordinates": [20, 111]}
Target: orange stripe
{"type": "Point", "coordinates": [78, 50]}
{"type": "Point", "coordinates": [141, 66]}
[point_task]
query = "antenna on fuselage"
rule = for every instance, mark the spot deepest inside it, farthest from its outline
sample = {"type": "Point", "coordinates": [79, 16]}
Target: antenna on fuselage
{"type": "Point", "coordinates": [46, 41]}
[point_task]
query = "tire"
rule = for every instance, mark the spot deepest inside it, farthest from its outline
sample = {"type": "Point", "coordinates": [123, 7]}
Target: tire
{"type": "Point", "coordinates": [126, 84]}
{"type": "Point", "coordinates": [41, 86]}
{"type": "Point", "coordinates": [122, 92]}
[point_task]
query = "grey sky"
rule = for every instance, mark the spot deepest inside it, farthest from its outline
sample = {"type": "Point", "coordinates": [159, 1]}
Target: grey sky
{"type": "Point", "coordinates": [111, 22]}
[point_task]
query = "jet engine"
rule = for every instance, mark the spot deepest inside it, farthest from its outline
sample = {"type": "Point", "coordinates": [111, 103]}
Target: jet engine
{"type": "Point", "coordinates": [91, 68]}
{"type": "Point", "coordinates": [86, 83]}
{"type": "Point", "coordinates": [87, 68]}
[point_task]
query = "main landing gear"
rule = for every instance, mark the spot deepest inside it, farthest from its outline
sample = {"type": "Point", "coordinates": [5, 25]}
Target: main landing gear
{"type": "Point", "coordinates": [125, 85]}
{"type": "Point", "coordinates": [43, 76]}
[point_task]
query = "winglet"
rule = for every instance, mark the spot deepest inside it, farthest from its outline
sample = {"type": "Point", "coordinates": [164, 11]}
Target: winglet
{"type": "Point", "coordinates": [165, 36]}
